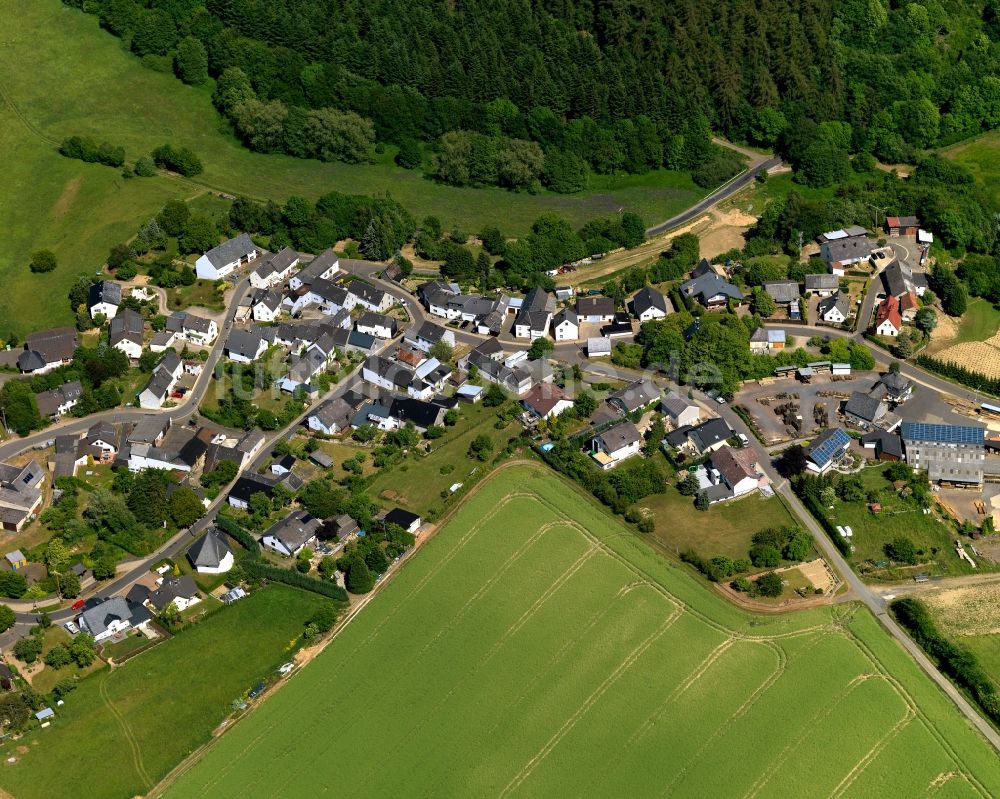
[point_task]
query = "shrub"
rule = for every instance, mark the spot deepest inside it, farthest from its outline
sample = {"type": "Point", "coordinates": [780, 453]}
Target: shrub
{"type": "Point", "coordinates": [42, 261]}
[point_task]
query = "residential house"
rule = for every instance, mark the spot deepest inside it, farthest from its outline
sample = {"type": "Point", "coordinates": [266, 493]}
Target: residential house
{"type": "Point", "coordinates": [888, 321]}
{"type": "Point", "coordinates": [711, 291]}
{"type": "Point", "coordinates": [266, 305]}
{"type": "Point", "coordinates": [834, 309]}
{"type": "Point", "coordinates": [826, 449]}
{"type": "Point", "coordinates": [783, 292]}
{"type": "Point", "coordinates": [249, 484]}
{"type": "Point", "coordinates": [245, 346]}
{"type": "Point", "coordinates": [706, 267]}
{"type": "Point", "coordinates": [419, 413]}
{"type": "Point", "coordinates": [181, 592]}
{"type": "Point", "coordinates": [410, 522]}
{"type": "Point", "coordinates": [865, 410]}
{"type": "Point", "coordinates": [902, 225]}
{"type": "Point", "coordinates": [898, 388]}
{"type": "Point", "coordinates": [734, 473]}
{"type": "Point", "coordinates": [339, 527]}
{"type": "Point", "coordinates": [599, 347]}
{"type": "Point", "coordinates": [546, 400]}
{"type": "Point", "coordinates": [56, 401]}
{"type": "Point", "coordinates": [430, 334]}
{"type": "Point", "coordinates": [149, 430]}
{"type": "Point", "coordinates": [199, 330]}
{"type": "Point", "coordinates": [210, 554]}
{"type": "Point", "coordinates": [125, 333]}
{"type": "Point", "coordinates": [370, 297]}
{"type": "Point", "coordinates": [533, 318]}
{"type": "Point", "coordinates": [292, 534]}
{"type": "Point", "coordinates": [20, 494]}
{"type": "Point", "coordinates": [595, 309]}
{"type": "Point", "coordinates": [899, 279]}
{"type": "Point", "coordinates": [106, 618]}
{"type": "Point", "coordinates": [378, 325]}
{"type": "Point", "coordinates": [331, 417]}
{"type": "Point", "coordinates": [764, 340]}
{"type": "Point", "coordinates": [220, 261]}
{"type": "Point", "coordinates": [161, 341]}
{"type": "Point", "coordinates": [840, 249]}
{"type": "Point", "coordinates": [565, 325]}
{"type": "Point", "coordinates": [680, 412]}
{"type": "Point", "coordinates": [323, 267]}
{"type": "Point", "coordinates": [649, 303]}
{"type": "Point", "coordinates": [275, 270]}
{"type": "Point", "coordinates": [283, 465]}
{"type": "Point", "coordinates": [102, 442]}
{"type": "Point", "coordinates": [635, 396]}
{"type": "Point", "coordinates": [105, 298]}
{"type": "Point", "coordinates": [822, 285]}
{"type": "Point", "coordinates": [950, 454]}
{"type": "Point", "coordinates": [390, 375]}
{"type": "Point", "coordinates": [47, 350]}
{"type": "Point", "coordinates": [616, 444]}
{"type": "Point", "coordinates": [165, 375]}
{"type": "Point", "coordinates": [516, 380]}
{"type": "Point", "coordinates": [620, 326]}
{"type": "Point", "coordinates": [709, 436]}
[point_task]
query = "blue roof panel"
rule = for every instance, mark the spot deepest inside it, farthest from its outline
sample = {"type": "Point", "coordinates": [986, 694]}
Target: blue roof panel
{"type": "Point", "coordinates": [943, 433]}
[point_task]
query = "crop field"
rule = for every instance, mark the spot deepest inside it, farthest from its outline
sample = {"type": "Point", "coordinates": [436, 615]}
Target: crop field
{"type": "Point", "coordinates": [976, 344]}
{"type": "Point", "coordinates": [534, 647]}
{"type": "Point", "coordinates": [982, 157]}
{"type": "Point", "coordinates": [60, 75]}
{"type": "Point", "coordinates": [141, 718]}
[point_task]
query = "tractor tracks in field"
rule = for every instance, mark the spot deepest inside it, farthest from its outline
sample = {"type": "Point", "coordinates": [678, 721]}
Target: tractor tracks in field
{"type": "Point", "coordinates": [126, 728]}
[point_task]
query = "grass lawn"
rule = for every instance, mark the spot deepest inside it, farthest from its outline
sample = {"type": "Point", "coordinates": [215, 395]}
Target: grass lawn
{"type": "Point", "coordinates": [418, 481]}
{"type": "Point", "coordinates": [46, 679]}
{"type": "Point", "coordinates": [982, 157]}
{"type": "Point", "coordinates": [201, 293]}
{"type": "Point", "coordinates": [899, 518]}
{"type": "Point", "coordinates": [153, 710]}
{"type": "Point", "coordinates": [81, 210]}
{"type": "Point", "coordinates": [132, 643]}
{"type": "Point", "coordinates": [979, 322]}
{"type": "Point", "coordinates": [723, 529]}
{"type": "Point", "coordinates": [535, 647]}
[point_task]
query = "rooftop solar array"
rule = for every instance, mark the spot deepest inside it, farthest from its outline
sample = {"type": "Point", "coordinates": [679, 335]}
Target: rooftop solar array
{"type": "Point", "coordinates": [942, 433]}
{"type": "Point", "coordinates": [828, 445]}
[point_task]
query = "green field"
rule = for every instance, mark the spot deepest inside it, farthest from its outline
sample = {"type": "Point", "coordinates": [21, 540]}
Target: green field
{"type": "Point", "coordinates": [980, 322]}
{"type": "Point", "coordinates": [61, 75]}
{"type": "Point", "coordinates": [982, 157]}
{"type": "Point", "coordinates": [123, 730]}
{"type": "Point", "coordinates": [534, 647]}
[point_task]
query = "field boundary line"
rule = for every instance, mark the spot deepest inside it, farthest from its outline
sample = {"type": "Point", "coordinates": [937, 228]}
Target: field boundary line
{"type": "Point", "coordinates": [871, 754]}
{"type": "Point", "coordinates": [588, 703]}
{"type": "Point", "coordinates": [126, 729]}
{"type": "Point", "coordinates": [28, 124]}
{"type": "Point", "coordinates": [809, 728]}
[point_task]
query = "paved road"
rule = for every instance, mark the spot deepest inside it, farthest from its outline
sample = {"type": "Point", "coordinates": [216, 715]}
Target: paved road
{"type": "Point", "coordinates": [717, 196]}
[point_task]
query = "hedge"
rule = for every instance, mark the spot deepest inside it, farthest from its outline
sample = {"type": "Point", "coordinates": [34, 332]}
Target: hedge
{"type": "Point", "coordinates": [242, 537]}
{"type": "Point", "coordinates": [960, 374]}
{"type": "Point", "coordinates": [259, 569]}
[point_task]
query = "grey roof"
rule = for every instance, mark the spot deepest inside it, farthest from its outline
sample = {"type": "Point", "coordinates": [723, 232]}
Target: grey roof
{"type": "Point", "coordinates": [49, 346]}
{"type": "Point", "coordinates": [230, 251]}
{"type": "Point", "coordinates": [148, 429]}
{"type": "Point", "coordinates": [366, 292]}
{"type": "Point", "coordinates": [708, 285]}
{"type": "Point", "coordinates": [635, 395]}
{"type": "Point", "coordinates": [675, 405]}
{"type": "Point", "coordinates": [170, 361]}
{"type": "Point", "coordinates": [317, 266]}
{"type": "Point", "coordinates": [896, 383]}
{"type": "Point", "coordinates": [102, 431]}
{"type": "Point", "coordinates": [782, 291]}
{"type": "Point", "coordinates": [49, 401]}
{"type": "Point", "coordinates": [398, 374]}
{"type": "Point", "coordinates": [106, 291]}
{"type": "Point", "coordinates": [704, 267]}
{"type": "Point", "coordinates": [823, 282]}
{"type": "Point", "coordinates": [431, 332]}
{"type": "Point", "coordinates": [294, 530]}
{"type": "Point", "coordinates": [536, 308]}
{"type": "Point", "coordinates": [864, 406]}
{"type": "Point", "coordinates": [278, 262]}
{"type": "Point", "coordinates": [269, 298]}
{"type": "Point", "coordinates": [126, 325]}
{"type": "Point", "coordinates": [851, 248]}
{"type": "Point", "coordinates": [182, 587]}
{"type": "Point", "coordinates": [97, 618]}
{"type": "Point", "coordinates": [621, 435]}
{"type": "Point", "coordinates": [565, 315]}
{"type": "Point", "coordinates": [373, 319]}
{"type": "Point", "coordinates": [709, 433]}
{"type": "Point", "coordinates": [335, 412]}
{"type": "Point", "coordinates": [889, 443]}
{"type": "Point", "coordinates": [245, 343]}
{"type": "Point", "coordinates": [175, 322]}
{"type": "Point", "coordinates": [490, 347]}
{"type": "Point", "coordinates": [840, 301]}
{"type": "Point", "coordinates": [197, 323]}
{"type": "Point", "coordinates": [250, 441]}
{"type": "Point", "coordinates": [649, 297]}
{"type": "Point", "coordinates": [595, 306]}
{"type": "Point", "coordinates": [159, 384]}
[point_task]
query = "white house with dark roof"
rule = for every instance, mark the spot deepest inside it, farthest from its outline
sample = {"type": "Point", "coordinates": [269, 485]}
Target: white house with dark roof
{"type": "Point", "coordinates": [649, 303]}
{"type": "Point", "coordinates": [292, 534]}
{"type": "Point", "coordinates": [834, 309]}
{"type": "Point", "coordinates": [822, 285]}
{"type": "Point", "coordinates": [57, 401]}
{"type": "Point", "coordinates": [331, 417]}
{"type": "Point", "coordinates": [595, 309]}
{"type": "Point", "coordinates": [275, 270]}
{"type": "Point", "coordinates": [370, 297]}
{"type": "Point", "coordinates": [323, 267]}
{"type": "Point", "coordinates": [111, 616]}
{"type": "Point", "coordinates": [199, 330]}
{"type": "Point", "coordinates": [430, 334]}
{"type": "Point", "coordinates": [210, 554]}
{"type": "Point", "coordinates": [125, 333]}
{"type": "Point", "coordinates": [105, 298]}
{"type": "Point", "coordinates": [535, 314]}
{"type": "Point", "coordinates": [679, 411]}
{"type": "Point", "coordinates": [46, 350]}
{"type": "Point", "coordinates": [616, 444]}
{"type": "Point", "coordinates": [378, 325]}
{"type": "Point", "coordinates": [266, 305]}
{"type": "Point", "coordinates": [220, 261]}
{"type": "Point", "coordinates": [245, 346]}
{"type": "Point", "coordinates": [565, 325]}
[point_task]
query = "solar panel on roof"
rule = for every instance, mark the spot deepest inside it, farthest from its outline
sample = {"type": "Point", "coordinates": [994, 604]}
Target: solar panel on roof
{"type": "Point", "coordinates": [942, 433]}
{"type": "Point", "coordinates": [825, 450]}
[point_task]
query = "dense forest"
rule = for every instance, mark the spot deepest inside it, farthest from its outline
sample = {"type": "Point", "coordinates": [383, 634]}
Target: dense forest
{"type": "Point", "coordinates": [519, 93]}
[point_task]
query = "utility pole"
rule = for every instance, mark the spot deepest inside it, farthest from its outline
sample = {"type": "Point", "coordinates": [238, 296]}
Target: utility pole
{"type": "Point", "coordinates": [876, 210]}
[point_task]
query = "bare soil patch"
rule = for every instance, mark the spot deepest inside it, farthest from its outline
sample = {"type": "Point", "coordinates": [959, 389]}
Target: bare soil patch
{"type": "Point", "coordinates": [973, 610]}
{"type": "Point", "coordinates": [66, 198]}
{"type": "Point", "coordinates": [977, 356]}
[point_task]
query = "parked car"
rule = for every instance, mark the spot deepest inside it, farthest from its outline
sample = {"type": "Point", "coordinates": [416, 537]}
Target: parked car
{"type": "Point", "coordinates": [257, 690]}
{"type": "Point", "coordinates": [71, 628]}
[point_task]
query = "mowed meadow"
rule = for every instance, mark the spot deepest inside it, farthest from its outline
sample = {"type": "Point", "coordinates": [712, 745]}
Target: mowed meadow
{"type": "Point", "coordinates": [60, 75]}
{"type": "Point", "coordinates": [534, 647]}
